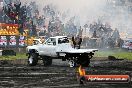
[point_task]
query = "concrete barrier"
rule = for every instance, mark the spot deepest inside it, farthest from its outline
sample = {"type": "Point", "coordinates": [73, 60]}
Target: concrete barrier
{"type": "Point", "coordinates": [7, 53]}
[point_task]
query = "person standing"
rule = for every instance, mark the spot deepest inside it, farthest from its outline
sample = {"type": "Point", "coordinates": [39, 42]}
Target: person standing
{"type": "Point", "coordinates": [73, 41]}
{"type": "Point", "coordinates": [78, 41]}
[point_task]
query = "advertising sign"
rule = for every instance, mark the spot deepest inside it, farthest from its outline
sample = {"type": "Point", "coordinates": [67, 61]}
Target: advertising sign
{"type": "Point", "coordinates": [21, 41]}
{"type": "Point", "coordinates": [7, 41]}
{"type": "Point", "coordinates": [12, 41]}
{"type": "Point", "coordinates": [3, 41]}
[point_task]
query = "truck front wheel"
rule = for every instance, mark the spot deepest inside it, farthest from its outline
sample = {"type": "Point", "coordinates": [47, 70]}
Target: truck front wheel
{"type": "Point", "coordinates": [32, 59]}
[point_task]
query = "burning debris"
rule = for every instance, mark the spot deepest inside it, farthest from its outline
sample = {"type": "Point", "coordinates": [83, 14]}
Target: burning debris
{"type": "Point", "coordinates": [81, 74]}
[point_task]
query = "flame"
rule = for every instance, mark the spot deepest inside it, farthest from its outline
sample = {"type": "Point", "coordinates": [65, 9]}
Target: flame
{"type": "Point", "coordinates": [81, 71]}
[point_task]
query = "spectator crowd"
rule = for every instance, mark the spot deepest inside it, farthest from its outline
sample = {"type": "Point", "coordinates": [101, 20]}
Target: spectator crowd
{"type": "Point", "coordinates": [49, 24]}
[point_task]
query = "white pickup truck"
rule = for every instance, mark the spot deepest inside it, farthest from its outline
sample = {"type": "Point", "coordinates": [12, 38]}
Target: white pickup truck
{"type": "Point", "coordinates": [58, 47]}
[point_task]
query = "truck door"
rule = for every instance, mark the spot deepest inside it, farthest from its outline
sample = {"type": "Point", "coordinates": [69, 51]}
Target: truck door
{"type": "Point", "coordinates": [49, 47]}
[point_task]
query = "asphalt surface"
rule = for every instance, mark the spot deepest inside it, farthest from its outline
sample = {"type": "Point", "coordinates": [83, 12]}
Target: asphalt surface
{"type": "Point", "coordinates": [17, 74]}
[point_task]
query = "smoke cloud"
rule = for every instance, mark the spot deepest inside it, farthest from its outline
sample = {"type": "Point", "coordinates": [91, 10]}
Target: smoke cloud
{"type": "Point", "coordinates": [88, 11]}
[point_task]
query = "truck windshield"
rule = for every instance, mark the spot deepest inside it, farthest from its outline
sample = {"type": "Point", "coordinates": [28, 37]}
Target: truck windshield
{"type": "Point", "coordinates": [63, 40]}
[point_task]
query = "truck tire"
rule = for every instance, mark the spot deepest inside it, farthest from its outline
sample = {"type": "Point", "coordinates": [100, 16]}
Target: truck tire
{"type": "Point", "coordinates": [47, 61]}
{"type": "Point", "coordinates": [72, 63]}
{"type": "Point", "coordinates": [33, 59]}
{"type": "Point", "coordinates": [84, 62]}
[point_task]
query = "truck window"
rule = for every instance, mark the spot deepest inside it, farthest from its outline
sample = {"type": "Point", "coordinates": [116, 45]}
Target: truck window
{"type": "Point", "coordinates": [51, 41]}
{"type": "Point", "coordinates": [35, 42]}
{"type": "Point", "coordinates": [63, 40]}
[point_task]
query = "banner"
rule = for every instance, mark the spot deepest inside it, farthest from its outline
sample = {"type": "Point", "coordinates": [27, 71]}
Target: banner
{"type": "Point", "coordinates": [10, 25]}
{"type": "Point", "coordinates": [3, 41]}
{"type": "Point", "coordinates": [22, 41]}
{"type": "Point", "coordinates": [12, 41]}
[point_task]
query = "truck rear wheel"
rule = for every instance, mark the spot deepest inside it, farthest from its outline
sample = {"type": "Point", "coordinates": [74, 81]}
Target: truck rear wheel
{"type": "Point", "coordinates": [33, 59]}
{"type": "Point", "coordinates": [72, 63]}
{"type": "Point", "coordinates": [47, 61]}
{"type": "Point", "coordinates": [84, 61]}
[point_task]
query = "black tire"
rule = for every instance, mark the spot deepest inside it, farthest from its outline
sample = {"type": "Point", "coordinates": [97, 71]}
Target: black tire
{"type": "Point", "coordinates": [84, 62]}
{"type": "Point", "coordinates": [32, 59]}
{"type": "Point", "coordinates": [47, 61]}
{"type": "Point", "coordinates": [72, 63]}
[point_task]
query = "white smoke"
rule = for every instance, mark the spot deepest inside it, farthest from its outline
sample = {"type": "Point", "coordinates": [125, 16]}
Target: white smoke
{"type": "Point", "coordinates": [83, 9]}
{"type": "Point", "coordinates": [86, 11]}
